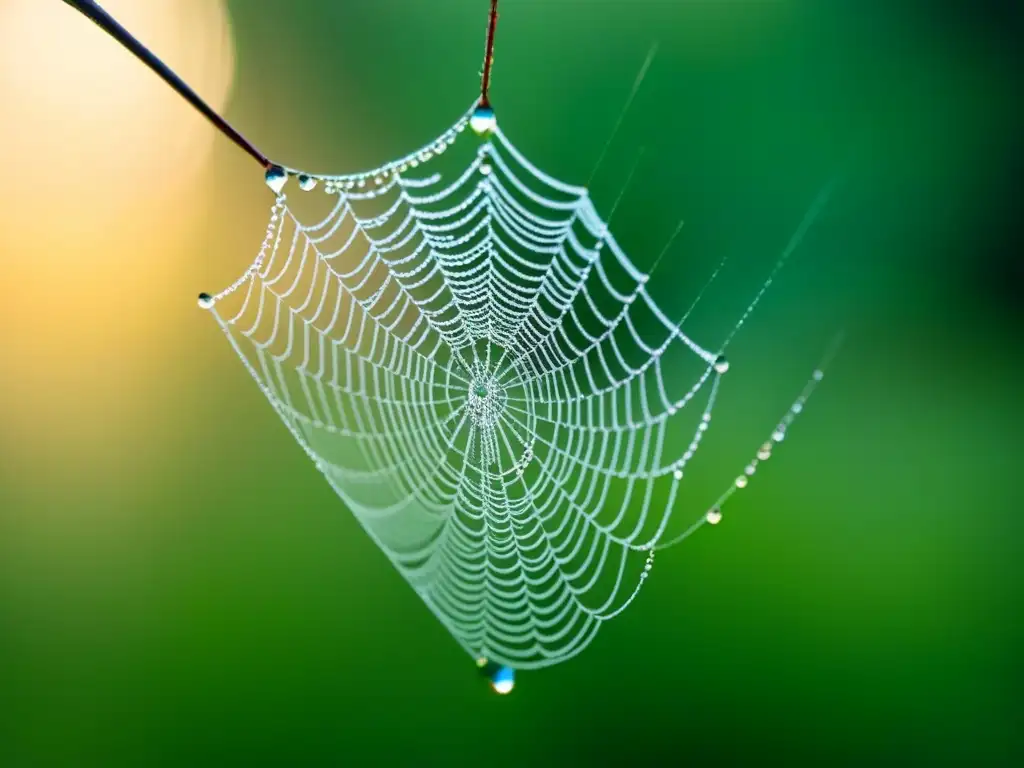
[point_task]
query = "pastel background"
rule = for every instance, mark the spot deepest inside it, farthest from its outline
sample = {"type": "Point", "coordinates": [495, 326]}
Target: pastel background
{"type": "Point", "coordinates": [179, 587]}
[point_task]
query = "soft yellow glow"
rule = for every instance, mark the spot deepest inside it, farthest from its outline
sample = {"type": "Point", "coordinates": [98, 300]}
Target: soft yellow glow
{"type": "Point", "coordinates": [83, 117]}
{"type": "Point", "coordinates": [102, 185]}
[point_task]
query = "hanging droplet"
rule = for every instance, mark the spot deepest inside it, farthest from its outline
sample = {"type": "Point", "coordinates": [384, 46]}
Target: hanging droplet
{"type": "Point", "coordinates": [276, 176]}
{"type": "Point", "coordinates": [485, 169]}
{"type": "Point", "coordinates": [481, 662]}
{"type": "Point", "coordinates": [714, 516]}
{"type": "Point", "coordinates": [483, 121]}
{"type": "Point", "coordinates": [741, 481]}
{"type": "Point", "coordinates": [678, 474]}
{"type": "Point", "coordinates": [766, 452]}
{"type": "Point", "coordinates": [779, 435]}
{"type": "Point", "coordinates": [205, 301]}
{"type": "Point", "coordinates": [306, 182]}
{"type": "Point", "coordinates": [721, 364]}
{"type": "Point", "coordinates": [503, 680]}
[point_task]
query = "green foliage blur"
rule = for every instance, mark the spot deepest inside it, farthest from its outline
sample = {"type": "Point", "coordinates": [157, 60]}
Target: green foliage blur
{"type": "Point", "coordinates": [860, 604]}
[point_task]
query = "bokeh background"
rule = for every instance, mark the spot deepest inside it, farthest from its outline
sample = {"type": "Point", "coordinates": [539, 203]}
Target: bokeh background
{"type": "Point", "coordinates": [179, 587]}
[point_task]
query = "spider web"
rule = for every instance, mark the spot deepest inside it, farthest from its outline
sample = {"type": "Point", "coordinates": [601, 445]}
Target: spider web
{"type": "Point", "coordinates": [479, 372]}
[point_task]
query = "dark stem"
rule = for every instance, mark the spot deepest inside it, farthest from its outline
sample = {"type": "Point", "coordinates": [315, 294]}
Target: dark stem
{"type": "Point", "coordinates": [109, 25]}
{"type": "Point", "coordinates": [485, 83]}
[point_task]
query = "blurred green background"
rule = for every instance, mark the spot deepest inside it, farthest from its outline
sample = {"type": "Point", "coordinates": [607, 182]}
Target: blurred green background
{"type": "Point", "coordinates": [179, 587]}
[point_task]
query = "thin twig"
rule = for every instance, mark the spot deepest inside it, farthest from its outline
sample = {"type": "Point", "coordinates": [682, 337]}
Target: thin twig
{"type": "Point", "coordinates": [109, 24]}
{"type": "Point", "coordinates": [485, 80]}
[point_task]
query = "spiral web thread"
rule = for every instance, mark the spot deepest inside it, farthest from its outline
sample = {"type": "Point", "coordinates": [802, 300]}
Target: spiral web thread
{"type": "Point", "coordinates": [479, 372]}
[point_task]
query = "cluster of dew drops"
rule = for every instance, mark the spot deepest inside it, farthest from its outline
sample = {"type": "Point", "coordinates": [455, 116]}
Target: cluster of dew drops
{"type": "Point", "coordinates": [482, 121]}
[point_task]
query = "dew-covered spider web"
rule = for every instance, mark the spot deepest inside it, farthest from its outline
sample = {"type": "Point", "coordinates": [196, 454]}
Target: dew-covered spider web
{"type": "Point", "coordinates": [477, 368]}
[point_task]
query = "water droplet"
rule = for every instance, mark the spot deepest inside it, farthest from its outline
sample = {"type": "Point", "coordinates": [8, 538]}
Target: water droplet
{"type": "Point", "coordinates": [205, 301]}
{"type": "Point", "coordinates": [818, 375]}
{"type": "Point", "coordinates": [750, 469]}
{"type": "Point", "coordinates": [483, 121]}
{"type": "Point", "coordinates": [741, 481]}
{"type": "Point", "coordinates": [503, 680]}
{"type": "Point", "coordinates": [361, 183]}
{"type": "Point", "coordinates": [678, 474]}
{"type": "Point", "coordinates": [485, 169]}
{"type": "Point", "coordinates": [714, 516]}
{"type": "Point", "coordinates": [481, 661]}
{"type": "Point", "coordinates": [779, 435]}
{"type": "Point", "coordinates": [276, 176]}
{"type": "Point", "coordinates": [797, 407]}
{"type": "Point", "coordinates": [306, 182]}
{"type": "Point", "coordinates": [765, 453]}
{"type": "Point", "coordinates": [721, 364]}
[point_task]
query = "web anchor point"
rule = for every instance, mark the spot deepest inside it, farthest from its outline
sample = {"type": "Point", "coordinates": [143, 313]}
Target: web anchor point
{"type": "Point", "coordinates": [276, 177]}
{"type": "Point", "coordinates": [483, 121]}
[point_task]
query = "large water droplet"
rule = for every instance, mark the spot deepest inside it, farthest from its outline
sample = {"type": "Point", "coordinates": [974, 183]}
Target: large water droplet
{"type": "Point", "coordinates": [205, 301]}
{"type": "Point", "coordinates": [714, 516]}
{"type": "Point", "coordinates": [721, 364]}
{"type": "Point", "coordinates": [483, 121]}
{"type": "Point", "coordinates": [306, 182]}
{"type": "Point", "coordinates": [276, 176]}
{"type": "Point", "coordinates": [503, 680]}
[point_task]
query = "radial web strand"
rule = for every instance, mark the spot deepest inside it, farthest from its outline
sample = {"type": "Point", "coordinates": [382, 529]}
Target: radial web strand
{"type": "Point", "coordinates": [478, 370]}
